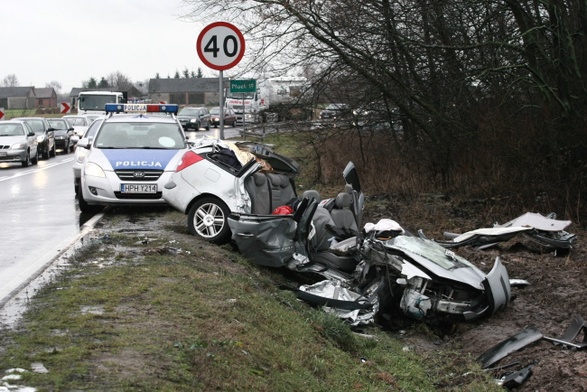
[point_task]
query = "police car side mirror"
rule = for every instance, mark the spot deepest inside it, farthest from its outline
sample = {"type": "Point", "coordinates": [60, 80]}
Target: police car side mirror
{"type": "Point", "coordinates": [84, 142]}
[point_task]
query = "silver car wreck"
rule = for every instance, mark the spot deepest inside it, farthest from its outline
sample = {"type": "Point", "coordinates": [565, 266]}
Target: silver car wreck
{"type": "Point", "coordinates": [379, 268]}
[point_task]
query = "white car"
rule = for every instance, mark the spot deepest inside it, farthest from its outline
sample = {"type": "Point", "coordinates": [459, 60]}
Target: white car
{"type": "Point", "coordinates": [82, 152]}
{"type": "Point", "coordinates": [217, 177]}
{"type": "Point", "coordinates": [131, 157]}
{"type": "Point", "coordinates": [18, 143]}
{"type": "Point", "coordinates": [79, 123]}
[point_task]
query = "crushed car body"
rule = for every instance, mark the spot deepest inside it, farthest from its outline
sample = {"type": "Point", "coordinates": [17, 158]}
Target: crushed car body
{"type": "Point", "coordinates": [380, 263]}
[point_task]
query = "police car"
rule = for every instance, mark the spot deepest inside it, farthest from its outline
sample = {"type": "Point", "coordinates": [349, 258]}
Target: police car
{"type": "Point", "coordinates": [131, 156]}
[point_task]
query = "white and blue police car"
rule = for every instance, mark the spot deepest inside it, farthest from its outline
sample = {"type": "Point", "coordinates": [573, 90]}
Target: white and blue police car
{"type": "Point", "coordinates": [131, 157]}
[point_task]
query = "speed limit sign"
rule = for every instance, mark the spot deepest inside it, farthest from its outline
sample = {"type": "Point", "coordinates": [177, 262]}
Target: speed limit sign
{"type": "Point", "coordinates": [221, 46]}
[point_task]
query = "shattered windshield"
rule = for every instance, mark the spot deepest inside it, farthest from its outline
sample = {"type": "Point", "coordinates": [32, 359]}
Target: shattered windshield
{"type": "Point", "coordinates": [435, 253]}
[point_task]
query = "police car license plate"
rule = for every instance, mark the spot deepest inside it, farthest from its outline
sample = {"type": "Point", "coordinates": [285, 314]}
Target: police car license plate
{"type": "Point", "coordinates": [138, 188]}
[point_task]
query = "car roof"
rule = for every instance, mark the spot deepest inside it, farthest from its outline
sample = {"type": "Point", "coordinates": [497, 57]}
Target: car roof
{"type": "Point", "coordinates": [14, 120]}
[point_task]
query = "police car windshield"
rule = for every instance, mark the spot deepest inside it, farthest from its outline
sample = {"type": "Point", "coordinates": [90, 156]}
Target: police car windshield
{"type": "Point", "coordinates": [136, 135]}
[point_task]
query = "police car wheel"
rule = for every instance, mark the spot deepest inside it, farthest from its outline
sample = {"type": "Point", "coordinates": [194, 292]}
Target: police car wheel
{"type": "Point", "coordinates": [208, 219]}
{"type": "Point", "coordinates": [84, 206]}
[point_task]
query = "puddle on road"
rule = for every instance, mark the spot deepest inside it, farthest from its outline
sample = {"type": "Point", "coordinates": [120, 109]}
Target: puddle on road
{"type": "Point", "coordinates": [12, 311]}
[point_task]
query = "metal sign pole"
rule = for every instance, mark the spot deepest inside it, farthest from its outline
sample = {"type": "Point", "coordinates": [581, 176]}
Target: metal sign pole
{"type": "Point", "coordinates": [244, 116]}
{"type": "Point", "coordinates": [220, 132]}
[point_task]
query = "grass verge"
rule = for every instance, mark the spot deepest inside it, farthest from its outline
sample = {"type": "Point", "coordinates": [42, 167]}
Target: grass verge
{"type": "Point", "coordinates": [145, 306]}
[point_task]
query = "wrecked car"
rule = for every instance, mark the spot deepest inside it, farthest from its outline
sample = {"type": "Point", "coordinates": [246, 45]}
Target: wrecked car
{"type": "Point", "coordinates": [385, 267]}
{"type": "Point", "coordinates": [217, 177]}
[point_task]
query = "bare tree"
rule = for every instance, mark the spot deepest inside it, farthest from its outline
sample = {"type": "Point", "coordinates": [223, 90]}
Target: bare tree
{"type": "Point", "coordinates": [55, 86]}
{"type": "Point", "coordinates": [10, 81]}
{"type": "Point", "coordinates": [485, 91]}
{"type": "Point", "coordinates": [119, 81]}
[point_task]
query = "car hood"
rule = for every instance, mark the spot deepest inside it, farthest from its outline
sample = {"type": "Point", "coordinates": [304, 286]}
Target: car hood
{"type": "Point", "coordinates": [435, 261]}
{"type": "Point", "coordinates": [11, 139]}
{"type": "Point", "coordinates": [137, 159]}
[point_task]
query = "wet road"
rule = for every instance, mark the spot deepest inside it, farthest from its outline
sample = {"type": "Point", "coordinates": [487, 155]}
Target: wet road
{"type": "Point", "coordinates": [39, 218]}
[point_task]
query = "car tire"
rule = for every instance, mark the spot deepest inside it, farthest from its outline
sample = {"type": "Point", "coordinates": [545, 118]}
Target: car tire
{"type": "Point", "coordinates": [27, 160]}
{"type": "Point", "coordinates": [84, 206]}
{"type": "Point", "coordinates": [35, 159]}
{"type": "Point", "coordinates": [208, 219]}
{"type": "Point", "coordinates": [53, 152]}
{"type": "Point", "coordinates": [208, 127]}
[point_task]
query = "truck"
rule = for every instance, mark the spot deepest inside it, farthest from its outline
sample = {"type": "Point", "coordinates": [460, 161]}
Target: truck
{"type": "Point", "coordinates": [274, 100]}
{"type": "Point", "coordinates": [92, 102]}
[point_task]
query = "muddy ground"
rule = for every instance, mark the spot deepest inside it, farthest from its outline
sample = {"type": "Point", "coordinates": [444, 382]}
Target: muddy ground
{"type": "Point", "coordinates": [556, 293]}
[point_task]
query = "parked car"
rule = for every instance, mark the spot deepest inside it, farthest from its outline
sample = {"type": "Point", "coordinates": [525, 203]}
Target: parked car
{"type": "Point", "coordinates": [82, 151]}
{"type": "Point", "coordinates": [79, 123]}
{"type": "Point", "coordinates": [215, 178]}
{"type": "Point", "coordinates": [63, 133]}
{"type": "Point", "coordinates": [18, 143]}
{"type": "Point", "coordinates": [45, 135]}
{"type": "Point", "coordinates": [130, 157]}
{"type": "Point", "coordinates": [229, 116]}
{"type": "Point", "coordinates": [91, 117]}
{"type": "Point", "coordinates": [194, 118]}
{"type": "Point", "coordinates": [334, 111]}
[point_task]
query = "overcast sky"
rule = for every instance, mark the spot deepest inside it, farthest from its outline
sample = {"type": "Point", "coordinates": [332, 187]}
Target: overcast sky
{"type": "Point", "coordinates": [69, 41]}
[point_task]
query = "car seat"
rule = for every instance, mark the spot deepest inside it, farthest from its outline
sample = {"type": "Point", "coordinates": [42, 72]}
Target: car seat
{"type": "Point", "coordinates": [281, 188]}
{"type": "Point", "coordinates": [258, 190]}
{"type": "Point", "coordinates": [322, 238]}
{"type": "Point", "coordinates": [341, 213]}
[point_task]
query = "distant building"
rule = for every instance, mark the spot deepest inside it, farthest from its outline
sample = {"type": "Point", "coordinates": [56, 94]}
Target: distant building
{"type": "Point", "coordinates": [45, 98]}
{"type": "Point", "coordinates": [17, 97]}
{"type": "Point", "coordinates": [186, 91]}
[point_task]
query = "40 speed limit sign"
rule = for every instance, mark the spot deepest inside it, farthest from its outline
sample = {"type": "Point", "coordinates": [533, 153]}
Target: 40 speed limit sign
{"type": "Point", "coordinates": [221, 46]}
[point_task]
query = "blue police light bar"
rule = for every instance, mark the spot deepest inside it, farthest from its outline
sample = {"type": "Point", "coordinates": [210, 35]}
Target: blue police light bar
{"type": "Point", "coordinates": [140, 108]}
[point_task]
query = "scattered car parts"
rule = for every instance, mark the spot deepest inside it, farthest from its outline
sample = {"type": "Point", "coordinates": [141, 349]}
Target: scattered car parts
{"type": "Point", "coordinates": [567, 339]}
{"type": "Point", "coordinates": [544, 230]}
{"type": "Point", "coordinates": [504, 348]}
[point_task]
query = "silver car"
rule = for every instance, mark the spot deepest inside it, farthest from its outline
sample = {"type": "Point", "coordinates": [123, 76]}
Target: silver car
{"type": "Point", "coordinates": [81, 152]}
{"type": "Point", "coordinates": [18, 143]}
{"type": "Point", "coordinates": [216, 177]}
